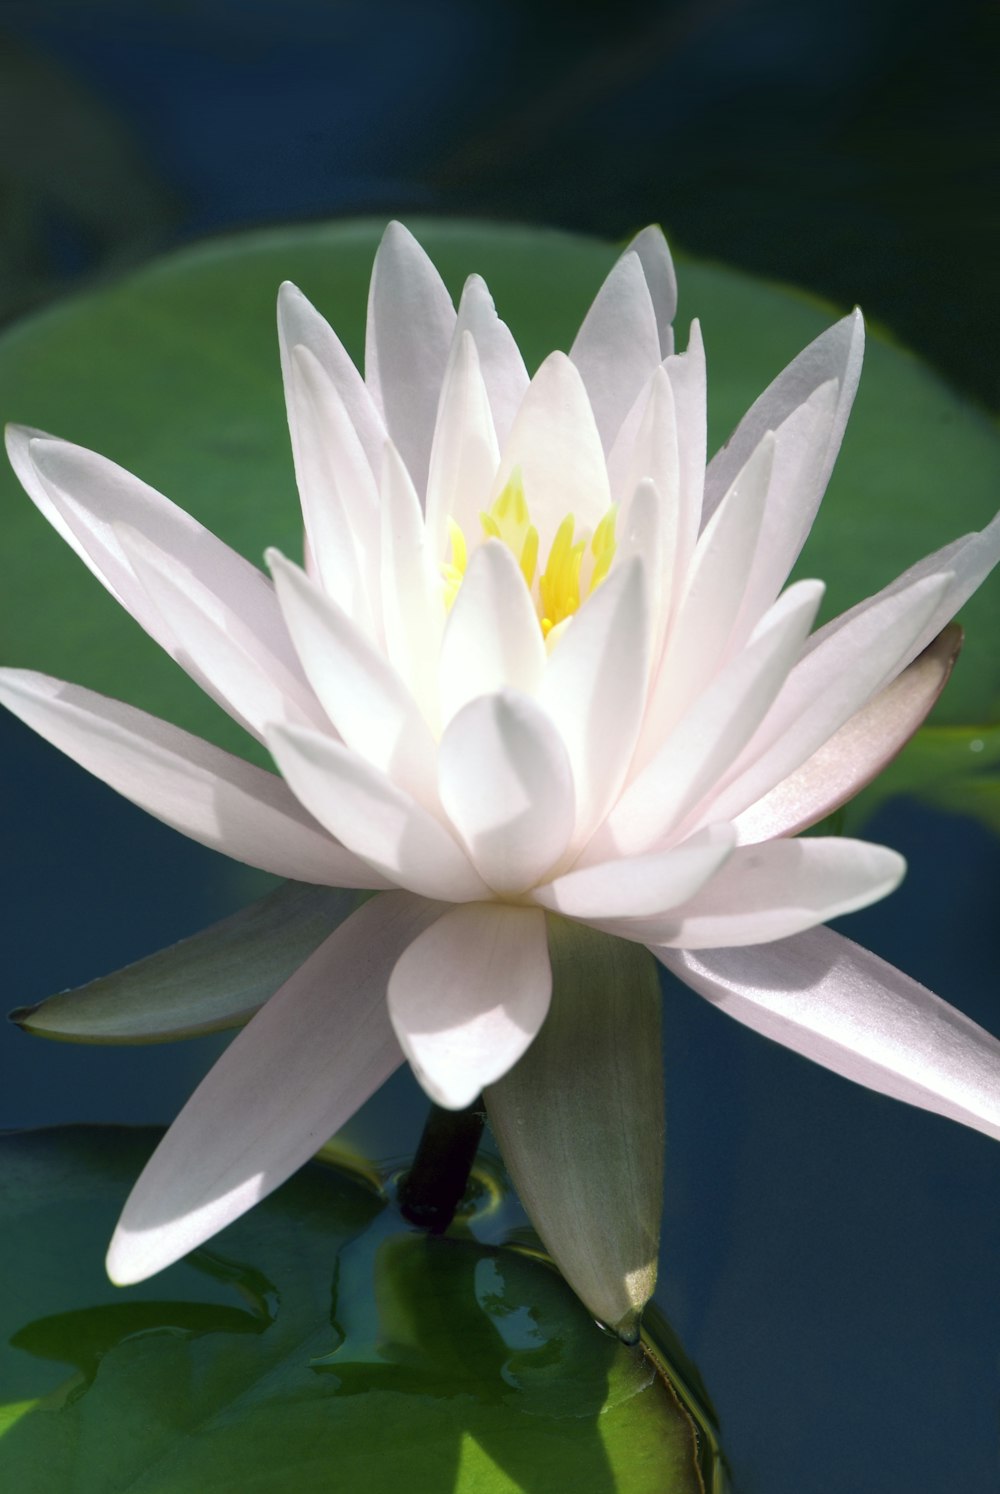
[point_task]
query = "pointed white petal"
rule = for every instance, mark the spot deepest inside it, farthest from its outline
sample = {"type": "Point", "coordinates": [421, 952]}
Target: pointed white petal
{"type": "Point", "coordinates": [846, 1009]}
{"type": "Point", "coordinates": [468, 995]}
{"type": "Point", "coordinates": [216, 979]}
{"type": "Point", "coordinates": [216, 646]}
{"type": "Point", "coordinates": [687, 375]}
{"type": "Point", "coordinates": [413, 610]}
{"type": "Point", "coordinates": [554, 441]}
{"type": "Point", "coordinates": [388, 828]}
{"type": "Point", "coordinates": [825, 689]}
{"type": "Point", "coordinates": [18, 440]}
{"type": "Point", "coordinates": [771, 891]}
{"type": "Point", "coordinates": [640, 886]}
{"type": "Point", "coordinates": [205, 793]}
{"type": "Point", "coordinates": [658, 268]}
{"type": "Point", "coordinates": [836, 354]}
{"type": "Point", "coordinates": [506, 785]}
{"type": "Point", "coordinates": [503, 370]}
{"type": "Point", "coordinates": [338, 492]}
{"type": "Point", "coordinates": [594, 688]}
{"type": "Point", "coordinates": [618, 345]}
{"type": "Point", "coordinates": [464, 454]}
{"type": "Point", "coordinates": [410, 325]}
{"type": "Point", "coordinates": [651, 453]}
{"type": "Point", "coordinates": [648, 531]}
{"type": "Point", "coordinates": [492, 639]}
{"type": "Point", "coordinates": [316, 1052]}
{"type": "Point", "coordinates": [300, 325]}
{"type": "Point", "coordinates": [703, 744]}
{"type": "Point", "coordinates": [360, 691]}
{"type": "Point", "coordinates": [858, 752]}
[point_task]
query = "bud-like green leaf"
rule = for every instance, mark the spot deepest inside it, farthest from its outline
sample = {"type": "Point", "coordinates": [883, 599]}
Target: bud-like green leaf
{"type": "Point", "coordinates": [580, 1122]}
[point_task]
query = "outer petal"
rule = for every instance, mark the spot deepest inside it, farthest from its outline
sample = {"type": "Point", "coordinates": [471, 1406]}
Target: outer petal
{"type": "Point", "coordinates": [651, 248]}
{"type": "Point", "coordinates": [770, 891]}
{"type": "Point", "coordinates": [506, 785]}
{"type": "Point", "coordinates": [319, 1048]}
{"type": "Point", "coordinates": [410, 325]}
{"type": "Point", "coordinates": [492, 639]}
{"type": "Point", "coordinates": [216, 979]}
{"type": "Point", "coordinates": [205, 793]}
{"type": "Point", "coordinates": [468, 996]}
{"type": "Point", "coordinates": [846, 1009]}
{"type": "Point", "coordinates": [360, 691]}
{"type": "Point", "coordinates": [381, 823]}
{"type": "Point", "coordinates": [638, 886]}
{"type": "Point", "coordinates": [855, 754]}
{"type": "Point", "coordinates": [503, 370]}
{"type": "Point", "coordinates": [618, 345]}
{"type": "Point", "coordinates": [836, 354]}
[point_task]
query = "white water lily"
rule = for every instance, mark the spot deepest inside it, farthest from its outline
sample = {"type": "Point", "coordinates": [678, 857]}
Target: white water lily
{"type": "Point", "coordinates": [539, 661]}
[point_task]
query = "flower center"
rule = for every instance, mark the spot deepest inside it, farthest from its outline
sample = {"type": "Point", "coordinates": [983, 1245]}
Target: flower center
{"type": "Point", "coordinates": [574, 568]}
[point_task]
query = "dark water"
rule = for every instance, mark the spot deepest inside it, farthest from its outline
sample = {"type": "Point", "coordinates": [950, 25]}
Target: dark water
{"type": "Point", "coordinates": [829, 1257]}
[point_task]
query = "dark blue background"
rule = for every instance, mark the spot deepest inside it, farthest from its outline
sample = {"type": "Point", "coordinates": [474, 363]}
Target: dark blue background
{"type": "Point", "coordinates": [829, 1256]}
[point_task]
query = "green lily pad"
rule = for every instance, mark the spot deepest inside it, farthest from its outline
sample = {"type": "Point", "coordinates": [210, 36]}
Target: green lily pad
{"type": "Point", "coordinates": [173, 372]}
{"type": "Point", "coordinates": [319, 1345]}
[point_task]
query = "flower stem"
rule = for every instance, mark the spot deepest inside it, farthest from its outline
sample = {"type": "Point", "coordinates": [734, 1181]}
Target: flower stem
{"type": "Point", "coordinates": [435, 1185]}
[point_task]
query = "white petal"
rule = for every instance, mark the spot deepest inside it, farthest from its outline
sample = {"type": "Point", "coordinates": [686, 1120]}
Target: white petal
{"type": "Point", "coordinates": [770, 891]}
{"type": "Point", "coordinates": [836, 354]}
{"type": "Point", "coordinates": [855, 754]}
{"type": "Point", "coordinates": [413, 611]}
{"type": "Point", "coordinates": [555, 443]}
{"type": "Point", "coordinates": [360, 691]}
{"type": "Point", "coordinates": [826, 688]}
{"type": "Point", "coordinates": [492, 639]}
{"type": "Point", "coordinates": [205, 793]}
{"type": "Point", "coordinates": [216, 646]}
{"type": "Point", "coordinates": [648, 531]}
{"type": "Point", "coordinates": [385, 826]}
{"type": "Point", "coordinates": [19, 440]}
{"type": "Point", "coordinates": [468, 996]}
{"type": "Point", "coordinates": [704, 743]}
{"type": "Point", "coordinates": [618, 345]}
{"type": "Point", "coordinates": [846, 1009]}
{"type": "Point", "coordinates": [338, 492]}
{"type": "Point", "coordinates": [464, 454]}
{"type": "Point", "coordinates": [410, 325]}
{"type": "Point", "coordinates": [594, 689]}
{"type": "Point", "coordinates": [319, 1048]}
{"type": "Point", "coordinates": [687, 375]}
{"type": "Point", "coordinates": [300, 325]}
{"type": "Point", "coordinates": [503, 370]}
{"type": "Point", "coordinates": [653, 456]}
{"type": "Point", "coordinates": [658, 268]}
{"type": "Point", "coordinates": [506, 785]}
{"type": "Point", "coordinates": [639, 886]}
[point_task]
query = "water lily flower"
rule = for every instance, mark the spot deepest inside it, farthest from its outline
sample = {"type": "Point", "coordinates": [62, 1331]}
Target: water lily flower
{"type": "Point", "coordinates": [540, 661]}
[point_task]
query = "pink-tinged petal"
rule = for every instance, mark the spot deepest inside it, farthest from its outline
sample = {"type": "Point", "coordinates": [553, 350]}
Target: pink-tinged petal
{"type": "Point", "coordinates": [705, 741]}
{"type": "Point", "coordinates": [413, 610]}
{"type": "Point", "coordinates": [492, 640]}
{"type": "Point", "coordinates": [381, 823]}
{"type": "Point", "coordinates": [687, 374]}
{"type": "Point", "coordinates": [468, 995]}
{"type": "Point", "coordinates": [771, 891]}
{"type": "Point", "coordinates": [825, 689]}
{"type": "Point", "coordinates": [18, 440]}
{"type": "Point", "coordinates": [215, 645]}
{"type": "Point", "coordinates": [464, 454]}
{"type": "Point", "coordinates": [506, 785]}
{"type": "Point", "coordinates": [836, 354]}
{"type": "Point", "coordinates": [594, 688]}
{"type": "Point", "coordinates": [358, 688]}
{"type": "Point", "coordinates": [555, 443]}
{"type": "Point", "coordinates": [846, 1009]}
{"type": "Point", "coordinates": [640, 886]}
{"type": "Point", "coordinates": [858, 752]}
{"type": "Point", "coordinates": [618, 345]}
{"type": "Point", "coordinates": [410, 325]}
{"type": "Point", "coordinates": [503, 370]}
{"type": "Point", "coordinates": [300, 325]}
{"type": "Point", "coordinates": [338, 493]}
{"type": "Point", "coordinates": [92, 495]}
{"type": "Point", "coordinates": [651, 248]}
{"type": "Point", "coordinates": [205, 793]}
{"type": "Point", "coordinates": [317, 1051]}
